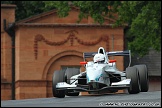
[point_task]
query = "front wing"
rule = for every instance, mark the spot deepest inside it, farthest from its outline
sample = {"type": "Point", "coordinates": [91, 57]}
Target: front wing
{"type": "Point", "coordinates": [124, 84]}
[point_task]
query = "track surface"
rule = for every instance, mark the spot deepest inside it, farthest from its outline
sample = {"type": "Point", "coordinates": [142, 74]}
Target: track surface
{"type": "Point", "coordinates": [143, 99]}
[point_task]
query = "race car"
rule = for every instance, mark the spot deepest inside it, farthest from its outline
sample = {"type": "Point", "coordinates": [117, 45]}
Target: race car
{"type": "Point", "coordinates": [100, 76]}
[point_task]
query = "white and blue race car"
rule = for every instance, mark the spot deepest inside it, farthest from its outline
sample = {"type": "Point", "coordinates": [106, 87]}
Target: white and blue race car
{"type": "Point", "coordinates": [100, 76]}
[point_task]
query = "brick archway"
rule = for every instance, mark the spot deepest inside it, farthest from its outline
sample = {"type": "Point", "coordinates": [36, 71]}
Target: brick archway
{"type": "Point", "coordinates": [55, 64]}
{"type": "Point", "coordinates": [57, 56]}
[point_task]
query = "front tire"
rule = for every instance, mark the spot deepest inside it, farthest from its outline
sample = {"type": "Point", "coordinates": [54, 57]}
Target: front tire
{"type": "Point", "coordinates": [58, 76]}
{"type": "Point", "coordinates": [133, 74]}
{"type": "Point", "coordinates": [144, 81]}
{"type": "Point", "coordinates": [68, 74]}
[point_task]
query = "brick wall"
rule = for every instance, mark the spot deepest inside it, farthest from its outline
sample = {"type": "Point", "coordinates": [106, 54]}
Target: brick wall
{"type": "Point", "coordinates": [40, 64]}
{"type": "Point", "coordinates": [43, 45]}
{"type": "Point", "coordinates": [8, 13]}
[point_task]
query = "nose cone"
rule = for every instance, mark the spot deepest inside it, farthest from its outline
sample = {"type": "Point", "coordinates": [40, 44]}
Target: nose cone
{"type": "Point", "coordinates": [94, 78]}
{"type": "Point", "coordinates": [93, 74]}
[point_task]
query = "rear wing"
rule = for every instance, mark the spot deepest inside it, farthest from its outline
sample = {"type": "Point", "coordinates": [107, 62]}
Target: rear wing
{"type": "Point", "coordinates": [112, 53]}
{"type": "Point", "coordinates": [118, 53]}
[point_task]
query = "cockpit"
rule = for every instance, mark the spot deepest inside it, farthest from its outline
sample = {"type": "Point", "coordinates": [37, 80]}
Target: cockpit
{"type": "Point", "coordinates": [99, 58]}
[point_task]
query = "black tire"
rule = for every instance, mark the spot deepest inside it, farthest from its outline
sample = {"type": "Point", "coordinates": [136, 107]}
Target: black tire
{"type": "Point", "coordinates": [68, 74]}
{"type": "Point", "coordinates": [133, 74]}
{"type": "Point", "coordinates": [58, 76]}
{"type": "Point", "coordinates": [144, 80]}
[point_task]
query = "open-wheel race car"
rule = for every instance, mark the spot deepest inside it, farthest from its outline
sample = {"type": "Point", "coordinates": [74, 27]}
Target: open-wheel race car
{"type": "Point", "coordinates": [100, 76]}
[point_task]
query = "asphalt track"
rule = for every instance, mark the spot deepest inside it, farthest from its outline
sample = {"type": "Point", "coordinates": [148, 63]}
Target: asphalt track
{"type": "Point", "coordinates": [143, 99]}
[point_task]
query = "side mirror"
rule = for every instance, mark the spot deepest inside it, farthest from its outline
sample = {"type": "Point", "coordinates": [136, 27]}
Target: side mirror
{"type": "Point", "coordinates": [83, 63]}
{"type": "Point", "coordinates": [111, 61]}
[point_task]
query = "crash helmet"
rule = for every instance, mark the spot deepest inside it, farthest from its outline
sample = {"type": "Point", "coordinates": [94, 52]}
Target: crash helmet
{"type": "Point", "coordinates": [98, 57]}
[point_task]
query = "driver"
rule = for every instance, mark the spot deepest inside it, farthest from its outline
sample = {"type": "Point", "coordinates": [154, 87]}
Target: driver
{"type": "Point", "coordinates": [99, 58]}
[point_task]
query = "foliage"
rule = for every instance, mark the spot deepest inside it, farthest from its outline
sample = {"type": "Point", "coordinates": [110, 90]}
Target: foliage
{"type": "Point", "coordinates": [25, 9]}
{"type": "Point", "coordinates": [96, 9]}
{"type": "Point", "coordinates": [143, 17]}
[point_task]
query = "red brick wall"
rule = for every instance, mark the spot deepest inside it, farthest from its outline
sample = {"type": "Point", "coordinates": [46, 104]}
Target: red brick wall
{"type": "Point", "coordinates": [38, 55]}
{"type": "Point", "coordinates": [40, 64]}
{"type": "Point", "coordinates": [5, 91]}
{"type": "Point", "coordinates": [8, 13]}
{"type": "Point", "coordinates": [154, 83]}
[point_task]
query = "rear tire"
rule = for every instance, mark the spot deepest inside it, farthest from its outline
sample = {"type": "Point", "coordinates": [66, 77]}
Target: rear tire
{"type": "Point", "coordinates": [144, 81]}
{"type": "Point", "coordinates": [68, 74]}
{"type": "Point", "coordinates": [133, 74]}
{"type": "Point", "coordinates": [58, 76]}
